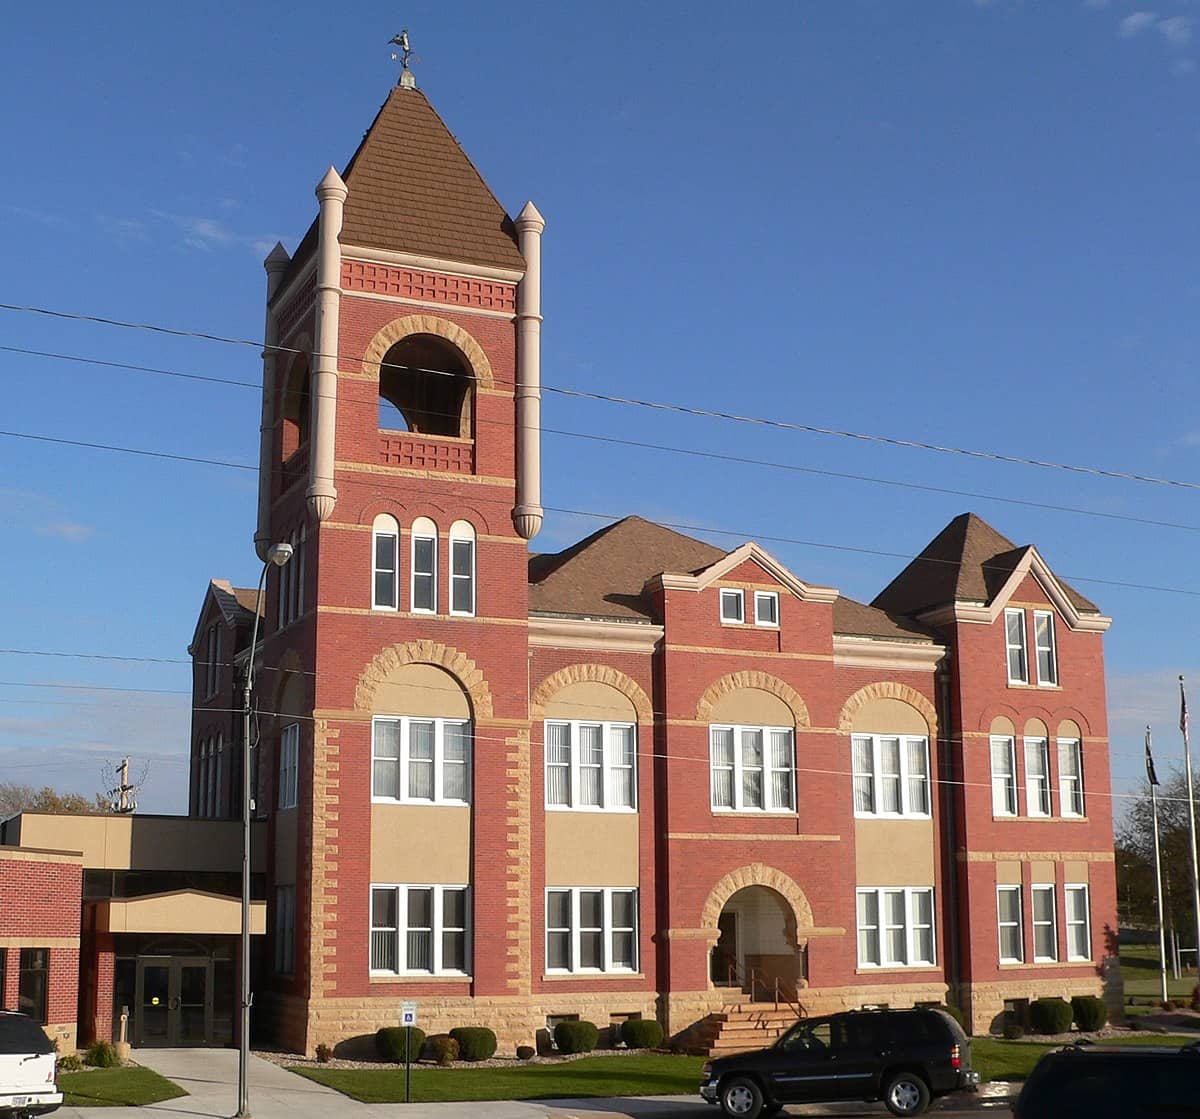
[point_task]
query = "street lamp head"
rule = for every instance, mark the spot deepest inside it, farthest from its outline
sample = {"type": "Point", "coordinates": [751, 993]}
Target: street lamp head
{"type": "Point", "coordinates": [279, 554]}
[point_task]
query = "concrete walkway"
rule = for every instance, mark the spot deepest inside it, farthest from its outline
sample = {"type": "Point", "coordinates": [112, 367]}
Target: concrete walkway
{"type": "Point", "coordinates": [209, 1076]}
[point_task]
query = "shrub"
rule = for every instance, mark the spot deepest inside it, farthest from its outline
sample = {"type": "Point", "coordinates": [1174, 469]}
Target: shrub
{"type": "Point", "coordinates": [1169, 1005]}
{"type": "Point", "coordinates": [443, 1049]}
{"type": "Point", "coordinates": [526, 1052]}
{"type": "Point", "coordinates": [1090, 1012]}
{"type": "Point", "coordinates": [389, 1042]}
{"type": "Point", "coordinates": [70, 1063]}
{"type": "Point", "coordinates": [576, 1037]}
{"type": "Point", "coordinates": [101, 1054]}
{"type": "Point", "coordinates": [954, 1013]}
{"type": "Point", "coordinates": [324, 1053]}
{"type": "Point", "coordinates": [1050, 1016]}
{"type": "Point", "coordinates": [641, 1033]}
{"type": "Point", "coordinates": [1014, 1031]}
{"type": "Point", "coordinates": [475, 1043]}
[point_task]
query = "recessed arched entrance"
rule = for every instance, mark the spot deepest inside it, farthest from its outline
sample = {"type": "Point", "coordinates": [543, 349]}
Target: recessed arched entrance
{"type": "Point", "coordinates": [757, 950]}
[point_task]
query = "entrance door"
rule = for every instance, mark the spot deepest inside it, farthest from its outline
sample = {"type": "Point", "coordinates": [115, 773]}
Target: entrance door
{"type": "Point", "coordinates": [724, 953]}
{"type": "Point", "coordinates": [174, 1001]}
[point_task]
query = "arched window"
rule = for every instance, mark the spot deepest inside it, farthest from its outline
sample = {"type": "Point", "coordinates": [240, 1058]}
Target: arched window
{"type": "Point", "coordinates": [462, 568]}
{"type": "Point", "coordinates": [426, 386]}
{"type": "Point", "coordinates": [296, 408]}
{"type": "Point", "coordinates": [385, 563]}
{"type": "Point", "coordinates": [219, 798]}
{"type": "Point", "coordinates": [424, 566]}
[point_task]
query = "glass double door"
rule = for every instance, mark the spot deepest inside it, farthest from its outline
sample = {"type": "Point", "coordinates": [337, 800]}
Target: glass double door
{"type": "Point", "coordinates": [174, 1001]}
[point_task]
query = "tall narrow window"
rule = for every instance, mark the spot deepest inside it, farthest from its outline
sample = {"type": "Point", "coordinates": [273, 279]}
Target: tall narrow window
{"type": "Point", "coordinates": [1012, 934]}
{"type": "Point", "coordinates": [1037, 776]}
{"type": "Point", "coordinates": [31, 983]}
{"type": "Point", "coordinates": [1070, 777]}
{"type": "Point", "coordinates": [385, 573]}
{"type": "Point", "coordinates": [289, 765]}
{"type": "Point", "coordinates": [1043, 642]}
{"type": "Point", "coordinates": [1004, 778]}
{"type": "Point", "coordinates": [285, 929]}
{"type": "Point", "coordinates": [424, 566]}
{"type": "Point", "coordinates": [212, 668]}
{"type": "Point", "coordinates": [1045, 927]}
{"type": "Point", "coordinates": [1014, 633]}
{"type": "Point", "coordinates": [1079, 934]}
{"type": "Point", "coordinates": [219, 796]}
{"type": "Point", "coordinates": [212, 777]}
{"type": "Point", "coordinates": [462, 568]}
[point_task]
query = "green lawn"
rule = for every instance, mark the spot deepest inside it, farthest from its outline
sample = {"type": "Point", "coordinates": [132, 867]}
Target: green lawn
{"type": "Point", "coordinates": [995, 1059]}
{"type": "Point", "coordinates": [131, 1086]}
{"type": "Point", "coordinates": [637, 1074]}
{"type": "Point", "coordinates": [1139, 970]}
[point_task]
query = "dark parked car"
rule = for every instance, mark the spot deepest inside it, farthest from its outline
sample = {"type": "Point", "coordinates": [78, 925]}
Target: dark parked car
{"type": "Point", "coordinates": [903, 1057]}
{"type": "Point", "coordinates": [1113, 1082]}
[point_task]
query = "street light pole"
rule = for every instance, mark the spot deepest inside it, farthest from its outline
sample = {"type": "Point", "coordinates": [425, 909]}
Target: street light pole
{"type": "Point", "coordinates": [277, 554]}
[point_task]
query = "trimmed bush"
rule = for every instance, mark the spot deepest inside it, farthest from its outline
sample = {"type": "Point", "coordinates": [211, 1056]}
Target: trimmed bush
{"type": "Point", "coordinates": [443, 1049]}
{"type": "Point", "coordinates": [475, 1043]}
{"type": "Point", "coordinates": [389, 1042]}
{"type": "Point", "coordinates": [324, 1054]}
{"type": "Point", "coordinates": [641, 1033]}
{"type": "Point", "coordinates": [1169, 1005]}
{"type": "Point", "coordinates": [100, 1054]}
{"type": "Point", "coordinates": [1050, 1016]}
{"type": "Point", "coordinates": [1090, 1012]}
{"type": "Point", "coordinates": [1013, 1032]}
{"type": "Point", "coordinates": [526, 1052]}
{"type": "Point", "coordinates": [954, 1013]}
{"type": "Point", "coordinates": [70, 1063]}
{"type": "Point", "coordinates": [576, 1037]}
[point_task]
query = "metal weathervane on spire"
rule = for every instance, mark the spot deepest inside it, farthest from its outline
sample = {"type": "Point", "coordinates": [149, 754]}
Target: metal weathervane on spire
{"type": "Point", "coordinates": [404, 55]}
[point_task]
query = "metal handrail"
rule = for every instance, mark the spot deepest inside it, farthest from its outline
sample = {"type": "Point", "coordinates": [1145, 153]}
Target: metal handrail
{"type": "Point", "coordinates": [777, 990]}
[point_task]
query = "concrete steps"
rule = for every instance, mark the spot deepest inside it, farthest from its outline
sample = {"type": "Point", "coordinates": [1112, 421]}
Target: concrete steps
{"type": "Point", "coordinates": [739, 1027]}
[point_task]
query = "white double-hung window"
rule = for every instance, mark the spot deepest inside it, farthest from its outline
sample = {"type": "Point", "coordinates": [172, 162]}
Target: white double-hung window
{"type": "Point", "coordinates": [1010, 924]}
{"type": "Point", "coordinates": [895, 927]}
{"type": "Point", "coordinates": [591, 765]}
{"type": "Point", "coordinates": [891, 775]}
{"type": "Point", "coordinates": [733, 606]}
{"type": "Point", "coordinates": [1070, 777]}
{"type": "Point", "coordinates": [289, 765]}
{"type": "Point", "coordinates": [424, 566]}
{"type": "Point", "coordinates": [462, 568]}
{"type": "Point", "coordinates": [420, 929]}
{"type": "Point", "coordinates": [1044, 647]}
{"type": "Point", "coordinates": [591, 930]}
{"type": "Point", "coordinates": [753, 769]}
{"type": "Point", "coordinates": [1004, 777]}
{"type": "Point", "coordinates": [420, 760]}
{"type": "Point", "coordinates": [1045, 925]}
{"type": "Point", "coordinates": [1079, 933]}
{"type": "Point", "coordinates": [1037, 776]}
{"type": "Point", "coordinates": [1014, 637]}
{"type": "Point", "coordinates": [385, 571]}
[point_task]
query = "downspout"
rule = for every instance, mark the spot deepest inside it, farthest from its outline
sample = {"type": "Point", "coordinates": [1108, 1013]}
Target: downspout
{"type": "Point", "coordinates": [527, 514]}
{"type": "Point", "coordinates": [321, 494]}
{"type": "Point", "coordinates": [950, 824]}
{"type": "Point", "coordinates": [275, 264]}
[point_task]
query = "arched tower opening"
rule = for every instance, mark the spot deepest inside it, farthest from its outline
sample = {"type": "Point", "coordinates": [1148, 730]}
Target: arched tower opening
{"type": "Point", "coordinates": [296, 408]}
{"type": "Point", "coordinates": [426, 386]}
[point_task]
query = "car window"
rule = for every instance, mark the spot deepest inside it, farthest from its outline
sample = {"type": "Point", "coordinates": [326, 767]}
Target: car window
{"type": "Point", "coordinates": [806, 1036]}
{"type": "Point", "coordinates": [856, 1032]}
{"type": "Point", "coordinates": [19, 1034]}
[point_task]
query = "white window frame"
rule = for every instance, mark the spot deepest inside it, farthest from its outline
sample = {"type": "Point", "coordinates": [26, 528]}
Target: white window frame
{"type": "Point", "coordinates": [732, 595]}
{"type": "Point", "coordinates": [1039, 800]}
{"type": "Point", "coordinates": [1086, 924]}
{"type": "Point", "coordinates": [881, 927]}
{"type": "Point", "coordinates": [906, 775]}
{"type": "Point", "coordinates": [1018, 924]}
{"type": "Point", "coordinates": [285, 929]}
{"type": "Point", "coordinates": [401, 929]}
{"type": "Point", "coordinates": [1045, 889]}
{"type": "Point", "coordinates": [385, 527]}
{"type": "Point", "coordinates": [1008, 805]}
{"type": "Point", "coordinates": [463, 533]}
{"type": "Point", "coordinates": [289, 766]}
{"type": "Point", "coordinates": [609, 765]}
{"type": "Point", "coordinates": [423, 529]}
{"type": "Point", "coordinates": [1011, 646]}
{"type": "Point", "coordinates": [767, 769]}
{"type": "Point", "coordinates": [1072, 803]}
{"type": "Point", "coordinates": [608, 931]}
{"type": "Point", "coordinates": [440, 761]}
{"type": "Point", "coordinates": [1050, 649]}
{"type": "Point", "coordinates": [291, 579]}
{"type": "Point", "coordinates": [761, 597]}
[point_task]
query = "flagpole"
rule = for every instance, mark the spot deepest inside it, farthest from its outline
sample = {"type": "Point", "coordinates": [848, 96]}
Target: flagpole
{"type": "Point", "coordinates": [1158, 884]}
{"type": "Point", "coordinates": [1187, 762]}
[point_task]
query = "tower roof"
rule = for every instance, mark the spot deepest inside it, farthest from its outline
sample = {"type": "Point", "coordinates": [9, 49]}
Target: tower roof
{"type": "Point", "coordinates": [413, 189]}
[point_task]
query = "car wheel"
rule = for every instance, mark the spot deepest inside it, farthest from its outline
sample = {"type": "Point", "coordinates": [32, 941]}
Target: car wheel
{"type": "Point", "coordinates": [742, 1097]}
{"type": "Point", "coordinates": [906, 1094]}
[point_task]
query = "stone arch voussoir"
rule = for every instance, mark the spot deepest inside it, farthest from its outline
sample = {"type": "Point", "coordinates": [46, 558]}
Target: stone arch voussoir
{"type": "Point", "coordinates": [401, 328]}
{"type": "Point", "coordinates": [736, 681]}
{"type": "Point", "coordinates": [459, 665]}
{"type": "Point", "coordinates": [887, 689]}
{"type": "Point", "coordinates": [757, 874]}
{"type": "Point", "coordinates": [590, 674]}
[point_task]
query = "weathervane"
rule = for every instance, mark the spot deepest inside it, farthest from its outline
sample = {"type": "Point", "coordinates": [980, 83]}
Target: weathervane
{"type": "Point", "coordinates": [404, 56]}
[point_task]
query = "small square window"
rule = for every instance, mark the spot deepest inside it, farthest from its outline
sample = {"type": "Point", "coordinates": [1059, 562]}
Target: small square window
{"type": "Point", "coordinates": [733, 607]}
{"type": "Point", "coordinates": [766, 608]}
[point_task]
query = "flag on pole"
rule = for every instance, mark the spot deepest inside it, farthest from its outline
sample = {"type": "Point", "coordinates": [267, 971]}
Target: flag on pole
{"type": "Point", "coordinates": [1151, 776]}
{"type": "Point", "coordinates": [1183, 714]}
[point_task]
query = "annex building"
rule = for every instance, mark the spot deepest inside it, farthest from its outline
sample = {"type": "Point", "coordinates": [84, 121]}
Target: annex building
{"type": "Point", "coordinates": [641, 776]}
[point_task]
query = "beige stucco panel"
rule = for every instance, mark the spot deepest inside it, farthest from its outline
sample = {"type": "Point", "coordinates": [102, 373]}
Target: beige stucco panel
{"type": "Point", "coordinates": [421, 689]}
{"type": "Point", "coordinates": [1035, 728]}
{"type": "Point", "coordinates": [894, 852]}
{"type": "Point", "coordinates": [1042, 872]}
{"type": "Point", "coordinates": [1008, 873]}
{"type": "Point", "coordinates": [592, 701]}
{"type": "Point", "coordinates": [1076, 872]}
{"type": "Point", "coordinates": [591, 849]}
{"type": "Point", "coordinates": [1068, 728]}
{"type": "Point", "coordinates": [186, 911]}
{"type": "Point", "coordinates": [755, 707]}
{"type": "Point", "coordinates": [1002, 727]}
{"type": "Point", "coordinates": [420, 843]}
{"type": "Point", "coordinates": [286, 824]}
{"type": "Point", "coordinates": [889, 716]}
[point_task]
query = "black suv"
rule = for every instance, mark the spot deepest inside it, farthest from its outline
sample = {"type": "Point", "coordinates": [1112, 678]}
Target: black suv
{"type": "Point", "coordinates": [903, 1057]}
{"type": "Point", "coordinates": [1121, 1082]}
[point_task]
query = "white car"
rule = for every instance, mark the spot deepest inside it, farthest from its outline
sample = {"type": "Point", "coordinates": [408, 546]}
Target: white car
{"type": "Point", "coordinates": [27, 1068]}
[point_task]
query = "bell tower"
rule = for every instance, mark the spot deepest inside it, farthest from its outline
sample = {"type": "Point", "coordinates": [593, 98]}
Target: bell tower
{"type": "Point", "coordinates": [400, 456]}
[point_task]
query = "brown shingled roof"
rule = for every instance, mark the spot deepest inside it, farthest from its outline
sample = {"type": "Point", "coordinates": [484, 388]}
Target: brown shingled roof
{"type": "Point", "coordinates": [854, 619]}
{"type": "Point", "coordinates": [602, 576]}
{"type": "Point", "coordinates": [968, 561]}
{"type": "Point", "coordinates": [413, 189]}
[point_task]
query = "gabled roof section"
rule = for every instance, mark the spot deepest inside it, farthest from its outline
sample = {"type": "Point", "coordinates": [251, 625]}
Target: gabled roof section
{"type": "Point", "coordinates": [972, 570]}
{"type": "Point", "coordinates": [698, 580]}
{"type": "Point", "coordinates": [605, 574]}
{"type": "Point", "coordinates": [413, 189]}
{"type": "Point", "coordinates": [855, 619]}
{"type": "Point", "coordinates": [235, 604]}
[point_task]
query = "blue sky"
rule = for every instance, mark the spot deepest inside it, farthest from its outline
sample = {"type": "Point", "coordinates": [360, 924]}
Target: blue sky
{"type": "Point", "coordinates": [960, 223]}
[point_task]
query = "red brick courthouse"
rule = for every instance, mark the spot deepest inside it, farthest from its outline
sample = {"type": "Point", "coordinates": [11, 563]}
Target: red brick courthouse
{"type": "Point", "coordinates": [640, 777]}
